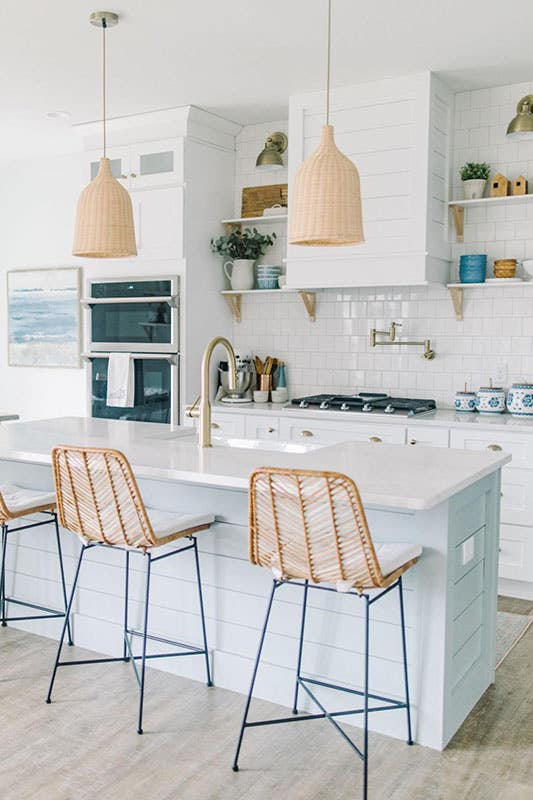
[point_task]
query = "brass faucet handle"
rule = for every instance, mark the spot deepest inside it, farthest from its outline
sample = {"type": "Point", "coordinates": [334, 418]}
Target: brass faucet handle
{"type": "Point", "coordinates": [193, 411]}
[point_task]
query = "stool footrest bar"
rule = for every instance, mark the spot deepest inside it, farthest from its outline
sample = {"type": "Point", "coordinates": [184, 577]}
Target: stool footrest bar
{"type": "Point", "coordinates": [395, 703]}
{"type": "Point", "coordinates": [53, 611]}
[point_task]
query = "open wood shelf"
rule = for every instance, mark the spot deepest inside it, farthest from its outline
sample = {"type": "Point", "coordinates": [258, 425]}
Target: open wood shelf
{"type": "Point", "coordinates": [239, 222]}
{"type": "Point", "coordinates": [234, 299]}
{"type": "Point", "coordinates": [456, 289]}
{"type": "Point", "coordinates": [458, 207]}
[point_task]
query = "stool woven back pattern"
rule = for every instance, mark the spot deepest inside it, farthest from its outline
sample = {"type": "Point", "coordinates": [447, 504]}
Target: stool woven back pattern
{"type": "Point", "coordinates": [309, 529]}
{"type": "Point", "coordinates": [98, 499]}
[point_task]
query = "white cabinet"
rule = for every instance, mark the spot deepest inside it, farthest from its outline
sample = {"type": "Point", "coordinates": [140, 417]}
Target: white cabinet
{"type": "Point", "coordinates": [262, 427]}
{"type": "Point", "coordinates": [158, 217]}
{"type": "Point", "coordinates": [516, 552]}
{"type": "Point", "coordinates": [228, 425]}
{"type": "Point", "coordinates": [519, 445]}
{"type": "Point", "coordinates": [329, 432]}
{"type": "Point", "coordinates": [397, 133]}
{"type": "Point", "coordinates": [427, 436]}
{"type": "Point", "coordinates": [143, 166]}
{"type": "Point", "coordinates": [119, 158]}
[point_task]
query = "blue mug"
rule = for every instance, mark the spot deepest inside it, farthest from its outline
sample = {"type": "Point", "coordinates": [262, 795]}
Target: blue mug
{"type": "Point", "coordinates": [473, 268]}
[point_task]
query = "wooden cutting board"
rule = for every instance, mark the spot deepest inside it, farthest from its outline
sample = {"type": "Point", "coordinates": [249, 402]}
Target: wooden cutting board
{"type": "Point", "coordinates": [256, 198]}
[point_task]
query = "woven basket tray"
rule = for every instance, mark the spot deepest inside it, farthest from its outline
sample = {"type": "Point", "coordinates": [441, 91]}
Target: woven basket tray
{"type": "Point", "coordinates": [256, 198]}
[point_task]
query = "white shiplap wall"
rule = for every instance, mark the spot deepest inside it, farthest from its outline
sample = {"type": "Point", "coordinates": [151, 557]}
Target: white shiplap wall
{"type": "Point", "coordinates": [494, 340]}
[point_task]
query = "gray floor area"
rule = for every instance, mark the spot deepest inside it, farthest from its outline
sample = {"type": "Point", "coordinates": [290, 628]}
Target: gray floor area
{"type": "Point", "coordinates": [84, 745]}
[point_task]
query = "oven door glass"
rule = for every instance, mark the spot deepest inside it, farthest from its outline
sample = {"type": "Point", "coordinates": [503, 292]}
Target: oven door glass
{"type": "Point", "coordinates": [153, 394]}
{"type": "Point", "coordinates": [131, 323]}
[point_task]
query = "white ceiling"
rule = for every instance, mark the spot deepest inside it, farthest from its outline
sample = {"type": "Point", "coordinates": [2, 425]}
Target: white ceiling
{"type": "Point", "coordinates": [239, 58]}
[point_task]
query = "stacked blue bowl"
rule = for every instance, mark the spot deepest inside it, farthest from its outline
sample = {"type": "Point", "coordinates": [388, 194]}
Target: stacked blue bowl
{"type": "Point", "coordinates": [473, 268]}
{"type": "Point", "coordinates": [267, 276]}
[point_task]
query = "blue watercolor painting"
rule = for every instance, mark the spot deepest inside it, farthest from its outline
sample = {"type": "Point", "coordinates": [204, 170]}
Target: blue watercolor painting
{"type": "Point", "coordinates": [43, 318]}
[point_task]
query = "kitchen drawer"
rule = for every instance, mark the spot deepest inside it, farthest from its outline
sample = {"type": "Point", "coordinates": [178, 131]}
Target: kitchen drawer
{"type": "Point", "coordinates": [517, 496]}
{"type": "Point", "coordinates": [335, 432]}
{"type": "Point", "coordinates": [520, 445]}
{"type": "Point", "coordinates": [427, 436]}
{"type": "Point", "coordinates": [261, 427]}
{"type": "Point", "coordinates": [516, 553]}
{"type": "Point", "coordinates": [228, 425]}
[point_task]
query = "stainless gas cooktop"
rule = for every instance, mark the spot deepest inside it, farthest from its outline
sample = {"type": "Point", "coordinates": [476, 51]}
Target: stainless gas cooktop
{"type": "Point", "coordinates": [366, 403]}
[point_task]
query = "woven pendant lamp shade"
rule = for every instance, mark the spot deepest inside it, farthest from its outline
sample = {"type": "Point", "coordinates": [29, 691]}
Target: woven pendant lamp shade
{"type": "Point", "coordinates": [104, 220]}
{"type": "Point", "coordinates": [326, 198]}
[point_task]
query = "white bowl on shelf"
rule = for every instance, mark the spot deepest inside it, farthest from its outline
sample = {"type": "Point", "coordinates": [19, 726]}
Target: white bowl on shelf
{"type": "Point", "coordinates": [527, 269]}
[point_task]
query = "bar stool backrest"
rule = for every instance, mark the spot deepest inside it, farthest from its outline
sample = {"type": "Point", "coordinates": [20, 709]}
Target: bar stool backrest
{"type": "Point", "coordinates": [311, 525]}
{"type": "Point", "coordinates": [98, 497]}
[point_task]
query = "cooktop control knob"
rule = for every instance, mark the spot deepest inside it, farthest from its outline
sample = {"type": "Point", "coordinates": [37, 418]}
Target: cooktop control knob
{"type": "Point", "coordinates": [303, 404]}
{"type": "Point", "coordinates": [324, 404]}
{"type": "Point", "coordinates": [367, 407]}
{"type": "Point", "coordinates": [389, 409]}
{"type": "Point", "coordinates": [345, 407]}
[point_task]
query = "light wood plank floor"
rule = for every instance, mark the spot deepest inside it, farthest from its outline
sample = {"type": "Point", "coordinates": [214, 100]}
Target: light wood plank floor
{"type": "Point", "coordinates": [84, 745]}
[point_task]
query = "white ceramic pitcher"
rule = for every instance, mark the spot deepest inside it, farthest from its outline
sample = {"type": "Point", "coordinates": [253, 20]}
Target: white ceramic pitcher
{"type": "Point", "coordinates": [241, 276]}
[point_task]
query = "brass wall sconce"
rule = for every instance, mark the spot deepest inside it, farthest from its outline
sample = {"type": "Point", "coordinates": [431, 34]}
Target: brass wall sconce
{"type": "Point", "coordinates": [521, 126]}
{"type": "Point", "coordinates": [428, 353]}
{"type": "Point", "coordinates": [270, 155]}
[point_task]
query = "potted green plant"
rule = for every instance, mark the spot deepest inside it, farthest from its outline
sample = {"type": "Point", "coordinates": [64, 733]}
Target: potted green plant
{"type": "Point", "coordinates": [474, 177]}
{"type": "Point", "coordinates": [242, 248]}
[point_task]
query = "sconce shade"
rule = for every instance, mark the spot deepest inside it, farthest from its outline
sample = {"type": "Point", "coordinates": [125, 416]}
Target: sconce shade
{"type": "Point", "coordinates": [521, 126]}
{"type": "Point", "coordinates": [104, 219]}
{"type": "Point", "coordinates": [325, 205]}
{"type": "Point", "coordinates": [270, 155]}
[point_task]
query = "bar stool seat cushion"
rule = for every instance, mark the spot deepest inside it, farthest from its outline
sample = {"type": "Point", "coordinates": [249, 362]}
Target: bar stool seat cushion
{"type": "Point", "coordinates": [19, 501]}
{"type": "Point", "coordinates": [170, 525]}
{"type": "Point", "coordinates": [393, 555]}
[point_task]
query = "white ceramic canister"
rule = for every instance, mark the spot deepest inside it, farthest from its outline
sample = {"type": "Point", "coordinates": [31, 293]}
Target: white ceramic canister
{"type": "Point", "coordinates": [465, 401]}
{"type": "Point", "coordinates": [241, 276]}
{"type": "Point", "coordinates": [520, 399]}
{"type": "Point", "coordinates": [490, 400]}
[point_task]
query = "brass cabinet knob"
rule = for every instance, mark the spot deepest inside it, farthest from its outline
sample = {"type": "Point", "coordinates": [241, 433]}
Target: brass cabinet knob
{"type": "Point", "coordinates": [306, 433]}
{"type": "Point", "coordinates": [124, 177]}
{"type": "Point", "coordinates": [412, 441]}
{"type": "Point", "coordinates": [494, 447]}
{"type": "Point", "coordinates": [374, 439]}
{"type": "Point", "coordinates": [215, 425]}
{"type": "Point", "coordinates": [270, 430]}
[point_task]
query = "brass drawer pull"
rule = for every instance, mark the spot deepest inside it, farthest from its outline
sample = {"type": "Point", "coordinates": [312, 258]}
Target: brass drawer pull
{"type": "Point", "coordinates": [494, 447]}
{"type": "Point", "coordinates": [374, 439]}
{"type": "Point", "coordinates": [412, 441]}
{"type": "Point", "coordinates": [270, 430]}
{"type": "Point", "coordinates": [215, 425]}
{"type": "Point", "coordinates": [306, 433]}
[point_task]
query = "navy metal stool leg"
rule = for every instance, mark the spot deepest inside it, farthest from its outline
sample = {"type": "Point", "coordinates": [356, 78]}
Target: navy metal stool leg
{"type": "Point", "coordinates": [367, 664]}
{"type": "Point", "coordinates": [405, 672]}
{"type": "Point", "coordinates": [126, 603]}
{"type": "Point", "coordinates": [145, 633]}
{"type": "Point", "coordinates": [65, 624]}
{"type": "Point", "coordinates": [202, 613]}
{"type": "Point", "coordinates": [3, 578]}
{"type": "Point", "coordinates": [62, 572]}
{"type": "Point", "coordinates": [275, 585]}
{"type": "Point", "coordinates": [300, 650]}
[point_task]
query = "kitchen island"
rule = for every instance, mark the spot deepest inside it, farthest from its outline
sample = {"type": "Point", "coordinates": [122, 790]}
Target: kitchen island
{"type": "Point", "coordinates": [446, 500]}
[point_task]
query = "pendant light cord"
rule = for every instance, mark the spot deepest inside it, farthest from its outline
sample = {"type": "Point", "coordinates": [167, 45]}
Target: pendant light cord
{"type": "Point", "coordinates": [328, 69]}
{"type": "Point", "coordinates": [104, 27]}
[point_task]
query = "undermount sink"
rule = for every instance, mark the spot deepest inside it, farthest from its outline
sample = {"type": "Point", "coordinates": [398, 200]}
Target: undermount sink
{"type": "Point", "coordinates": [265, 444]}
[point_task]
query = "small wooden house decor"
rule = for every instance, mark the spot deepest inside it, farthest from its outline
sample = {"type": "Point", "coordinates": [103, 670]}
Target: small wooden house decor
{"type": "Point", "coordinates": [499, 186]}
{"type": "Point", "coordinates": [520, 185]}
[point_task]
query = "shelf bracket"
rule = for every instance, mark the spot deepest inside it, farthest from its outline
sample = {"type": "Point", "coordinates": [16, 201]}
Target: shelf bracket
{"type": "Point", "coordinates": [458, 216]}
{"type": "Point", "coordinates": [309, 300]}
{"type": "Point", "coordinates": [456, 294]}
{"type": "Point", "coordinates": [229, 227]}
{"type": "Point", "coordinates": [234, 302]}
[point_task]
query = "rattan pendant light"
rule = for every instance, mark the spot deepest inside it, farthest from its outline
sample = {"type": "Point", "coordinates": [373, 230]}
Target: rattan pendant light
{"type": "Point", "coordinates": [325, 204]}
{"type": "Point", "coordinates": [104, 220]}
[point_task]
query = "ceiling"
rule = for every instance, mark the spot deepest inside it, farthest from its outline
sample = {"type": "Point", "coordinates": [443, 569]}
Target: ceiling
{"type": "Point", "coordinates": [241, 59]}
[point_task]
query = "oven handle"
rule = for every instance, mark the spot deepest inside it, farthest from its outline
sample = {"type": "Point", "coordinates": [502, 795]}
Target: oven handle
{"type": "Point", "coordinates": [172, 300]}
{"type": "Point", "coordinates": [172, 357]}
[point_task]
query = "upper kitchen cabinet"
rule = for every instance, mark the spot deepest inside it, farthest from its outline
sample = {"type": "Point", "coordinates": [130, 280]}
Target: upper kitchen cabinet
{"type": "Point", "coordinates": [397, 132]}
{"type": "Point", "coordinates": [143, 166]}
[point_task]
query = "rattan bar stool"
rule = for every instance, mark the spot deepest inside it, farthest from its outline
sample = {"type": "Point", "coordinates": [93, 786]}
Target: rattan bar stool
{"type": "Point", "coordinates": [310, 529]}
{"type": "Point", "coordinates": [98, 499]}
{"type": "Point", "coordinates": [16, 503]}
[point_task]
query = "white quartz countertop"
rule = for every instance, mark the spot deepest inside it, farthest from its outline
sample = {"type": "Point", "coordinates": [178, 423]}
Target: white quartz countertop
{"type": "Point", "coordinates": [447, 418]}
{"type": "Point", "coordinates": [389, 476]}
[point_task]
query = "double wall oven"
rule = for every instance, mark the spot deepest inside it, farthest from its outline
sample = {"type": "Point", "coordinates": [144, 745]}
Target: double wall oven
{"type": "Point", "coordinates": [140, 317]}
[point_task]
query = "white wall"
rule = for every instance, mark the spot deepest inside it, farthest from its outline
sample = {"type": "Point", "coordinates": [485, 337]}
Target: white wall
{"type": "Point", "coordinates": [494, 340]}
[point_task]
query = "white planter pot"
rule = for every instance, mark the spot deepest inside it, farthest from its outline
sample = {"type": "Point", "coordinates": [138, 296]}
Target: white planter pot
{"type": "Point", "coordinates": [241, 276]}
{"type": "Point", "coordinates": [474, 189]}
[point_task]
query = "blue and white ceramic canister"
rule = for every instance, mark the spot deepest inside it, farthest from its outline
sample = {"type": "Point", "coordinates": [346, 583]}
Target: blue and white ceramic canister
{"type": "Point", "coordinates": [465, 401]}
{"type": "Point", "coordinates": [490, 400]}
{"type": "Point", "coordinates": [520, 399]}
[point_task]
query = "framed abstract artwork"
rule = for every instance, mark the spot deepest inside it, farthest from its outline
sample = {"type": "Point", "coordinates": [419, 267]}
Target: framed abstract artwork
{"type": "Point", "coordinates": [43, 312]}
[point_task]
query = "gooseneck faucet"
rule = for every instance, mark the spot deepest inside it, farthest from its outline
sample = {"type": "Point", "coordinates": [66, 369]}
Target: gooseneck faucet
{"type": "Point", "coordinates": [203, 409]}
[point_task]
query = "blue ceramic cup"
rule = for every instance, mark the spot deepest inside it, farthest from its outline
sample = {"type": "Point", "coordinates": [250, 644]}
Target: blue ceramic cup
{"type": "Point", "coordinates": [473, 268]}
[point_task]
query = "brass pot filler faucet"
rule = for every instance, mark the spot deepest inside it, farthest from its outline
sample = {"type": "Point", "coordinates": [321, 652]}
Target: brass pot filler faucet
{"type": "Point", "coordinates": [391, 334]}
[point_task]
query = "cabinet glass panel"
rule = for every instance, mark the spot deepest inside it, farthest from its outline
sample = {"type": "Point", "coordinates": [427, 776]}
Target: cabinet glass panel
{"type": "Point", "coordinates": [152, 392]}
{"type": "Point", "coordinates": [131, 289]}
{"type": "Point", "coordinates": [156, 163]}
{"type": "Point", "coordinates": [116, 168]}
{"type": "Point", "coordinates": [135, 323]}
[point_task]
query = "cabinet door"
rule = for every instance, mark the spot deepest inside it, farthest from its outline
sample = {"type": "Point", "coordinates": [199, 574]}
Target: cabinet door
{"type": "Point", "coordinates": [516, 553]}
{"type": "Point", "coordinates": [156, 163]}
{"type": "Point", "coordinates": [262, 427]}
{"type": "Point", "coordinates": [158, 215]}
{"type": "Point", "coordinates": [427, 436]}
{"type": "Point", "coordinates": [335, 432]}
{"type": "Point", "coordinates": [120, 164]}
{"type": "Point", "coordinates": [518, 444]}
{"type": "Point", "coordinates": [228, 425]}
